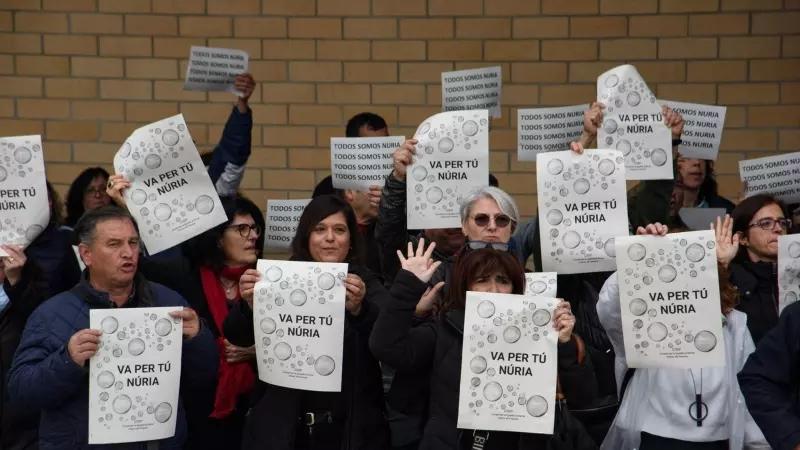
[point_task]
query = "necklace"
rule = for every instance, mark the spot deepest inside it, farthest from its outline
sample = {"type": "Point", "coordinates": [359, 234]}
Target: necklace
{"type": "Point", "coordinates": [698, 410]}
{"type": "Point", "coordinates": [228, 289]}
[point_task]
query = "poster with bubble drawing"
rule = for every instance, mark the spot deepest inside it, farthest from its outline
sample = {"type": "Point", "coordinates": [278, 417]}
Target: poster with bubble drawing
{"type": "Point", "coordinates": [582, 208]}
{"type": "Point", "coordinates": [788, 270]}
{"type": "Point", "coordinates": [633, 124]}
{"type": "Point", "coordinates": [171, 195]}
{"type": "Point", "coordinates": [134, 378]}
{"type": "Point", "coordinates": [669, 297]}
{"type": "Point", "coordinates": [544, 284]}
{"type": "Point", "coordinates": [508, 364]}
{"type": "Point", "coordinates": [24, 210]}
{"type": "Point", "coordinates": [298, 317]}
{"type": "Point", "coordinates": [452, 159]}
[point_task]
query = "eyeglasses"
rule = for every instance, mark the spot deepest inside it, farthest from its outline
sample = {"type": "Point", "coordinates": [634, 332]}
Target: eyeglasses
{"type": "Point", "coordinates": [478, 245]}
{"type": "Point", "coordinates": [95, 192]}
{"type": "Point", "coordinates": [483, 220]}
{"type": "Point", "coordinates": [768, 223]}
{"type": "Point", "coordinates": [245, 228]}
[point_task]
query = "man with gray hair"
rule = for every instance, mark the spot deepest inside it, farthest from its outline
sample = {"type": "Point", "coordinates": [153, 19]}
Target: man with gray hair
{"type": "Point", "coordinates": [50, 371]}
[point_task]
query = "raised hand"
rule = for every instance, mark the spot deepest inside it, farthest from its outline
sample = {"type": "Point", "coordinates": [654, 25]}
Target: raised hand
{"type": "Point", "coordinates": [356, 289]}
{"type": "Point", "coordinates": [419, 263]}
{"type": "Point", "coordinates": [374, 195]}
{"type": "Point", "coordinates": [592, 118]}
{"type": "Point", "coordinates": [247, 285]}
{"type": "Point", "coordinates": [428, 301]}
{"type": "Point", "coordinates": [117, 184]}
{"type": "Point", "coordinates": [83, 345]}
{"type": "Point", "coordinates": [13, 263]}
{"type": "Point", "coordinates": [403, 157]}
{"type": "Point", "coordinates": [576, 147]}
{"type": "Point", "coordinates": [563, 321]}
{"type": "Point", "coordinates": [673, 120]}
{"type": "Point", "coordinates": [727, 240]}
{"type": "Point", "coordinates": [654, 229]}
{"type": "Point", "coordinates": [191, 322]}
{"type": "Point", "coordinates": [245, 84]}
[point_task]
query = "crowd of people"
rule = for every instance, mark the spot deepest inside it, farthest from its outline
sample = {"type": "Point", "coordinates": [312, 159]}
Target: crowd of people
{"type": "Point", "coordinates": [405, 299]}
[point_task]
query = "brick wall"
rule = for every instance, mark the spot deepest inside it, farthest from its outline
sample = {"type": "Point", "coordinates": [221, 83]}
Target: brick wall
{"type": "Point", "coordinates": [85, 73]}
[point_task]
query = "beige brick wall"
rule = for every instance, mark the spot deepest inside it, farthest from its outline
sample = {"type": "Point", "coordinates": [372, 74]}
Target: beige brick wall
{"type": "Point", "coordinates": [85, 73]}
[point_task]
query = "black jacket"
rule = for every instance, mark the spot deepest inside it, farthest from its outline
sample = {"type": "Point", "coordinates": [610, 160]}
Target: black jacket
{"type": "Point", "coordinates": [770, 382]}
{"type": "Point", "coordinates": [272, 423]}
{"type": "Point", "coordinates": [757, 283]}
{"type": "Point", "coordinates": [52, 252]}
{"type": "Point", "coordinates": [435, 348]}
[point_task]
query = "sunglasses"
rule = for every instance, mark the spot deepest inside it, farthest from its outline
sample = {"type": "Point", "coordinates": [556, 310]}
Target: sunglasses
{"type": "Point", "coordinates": [245, 228]}
{"type": "Point", "coordinates": [500, 220]}
{"type": "Point", "coordinates": [478, 245]}
{"type": "Point", "coordinates": [768, 223]}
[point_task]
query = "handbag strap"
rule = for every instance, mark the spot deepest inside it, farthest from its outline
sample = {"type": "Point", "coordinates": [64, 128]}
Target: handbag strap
{"type": "Point", "coordinates": [581, 356]}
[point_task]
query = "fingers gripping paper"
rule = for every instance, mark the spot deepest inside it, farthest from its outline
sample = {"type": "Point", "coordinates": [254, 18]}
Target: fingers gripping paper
{"type": "Point", "coordinates": [298, 317]}
{"type": "Point", "coordinates": [508, 364]}
{"type": "Point", "coordinates": [788, 270]}
{"type": "Point", "coordinates": [171, 195]}
{"type": "Point", "coordinates": [24, 210]}
{"type": "Point", "coordinates": [670, 300]}
{"type": "Point", "coordinates": [452, 159]}
{"type": "Point", "coordinates": [633, 124]}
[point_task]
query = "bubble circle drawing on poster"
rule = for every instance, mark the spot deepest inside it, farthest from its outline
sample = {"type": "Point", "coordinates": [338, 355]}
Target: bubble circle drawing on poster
{"type": "Point", "coordinates": [537, 287]}
{"type": "Point", "coordinates": [162, 212]}
{"type": "Point", "coordinates": [170, 137]}
{"type": "Point", "coordinates": [162, 412]}
{"type": "Point", "coordinates": [419, 173]}
{"type": "Point", "coordinates": [138, 197]}
{"type": "Point", "coordinates": [23, 155]}
{"type": "Point", "coordinates": [657, 331]}
{"type": "Point", "coordinates": [326, 281]}
{"type": "Point", "coordinates": [163, 327]}
{"type": "Point", "coordinates": [790, 297]}
{"type": "Point", "coordinates": [695, 253]}
{"type": "Point", "coordinates": [609, 248]}
{"type": "Point", "coordinates": [204, 204]}
{"type": "Point", "coordinates": [637, 252]}
{"type": "Point", "coordinates": [794, 250]}
{"type": "Point", "coordinates": [581, 186]}
{"type": "Point", "coordinates": [478, 365]}
{"type": "Point", "coordinates": [274, 273]}
{"type": "Point", "coordinates": [659, 157]}
{"type": "Point", "coordinates": [492, 391]}
{"type": "Point", "coordinates": [541, 317]}
{"type": "Point", "coordinates": [121, 404]}
{"type": "Point", "coordinates": [470, 128]}
{"type": "Point", "coordinates": [612, 81]}
{"type": "Point", "coordinates": [136, 347]}
{"type": "Point", "coordinates": [555, 166]}
{"type": "Point", "coordinates": [486, 309]}
{"type": "Point", "coordinates": [634, 98]}
{"type": "Point", "coordinates": [298, 297]}
{"type": "Point", "coordinates": [705, 341]}
{"type": "Point", "coordinates": [424, 128]}
{"type": "Point", "coordinates": [283, 351]}
{"type": "Point", "coordinates": [446, 145]}
{"type": "Point", "coordinates": [554, 217]}
{"type": "Point", "coordinates": [109, 325]}
{"type": "Point", "coordinates": [624, 146]}
{"type": "Point", "coordinates": [606, 167]}
{"type": "Point", "coordinates": [105, 380]}
{"type": "Point", "coordinates": [268, 325]}
{"type": "Point", "coordinates": [536, 406]}
{"type": "Point", "coordinates": [637, 307]}
{"type": "Point", "coordinates": [571, 239]}
{"type": "Point", "coordinates": [125, 151]}
{"type": "Point", "coordinates": [511, 334]}
{"type": "Point", "coordinates": [152, 161]}
{"type": "Point", "coordinates": [610, 126]}
{"type": "Point", "coordinates": [667, 274]}
{"type": "Point", "coordinates": [324, 365]}
{"type": "Point", "coordinates": [3, 174]}
{"type": "Point", "coordinates": [33, 232]}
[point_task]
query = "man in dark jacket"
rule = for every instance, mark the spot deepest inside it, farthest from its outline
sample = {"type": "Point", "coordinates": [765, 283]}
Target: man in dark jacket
{"type": "Point", "coordinates": [50, 370]}
{"type": "Point", "coordinates": [770, 382]}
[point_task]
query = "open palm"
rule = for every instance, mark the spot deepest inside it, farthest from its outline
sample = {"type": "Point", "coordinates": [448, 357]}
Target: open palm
{"type": "Point", "coordinates": [419, 263]}
{"type": "Point", "coordinates": [727, 240]}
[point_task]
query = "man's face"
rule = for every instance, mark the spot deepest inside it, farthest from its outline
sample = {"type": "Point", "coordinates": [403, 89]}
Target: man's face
{"type": "Point", "coordinates": [112, 257]}
{"type": "Point", "coordinates": [366, 131]}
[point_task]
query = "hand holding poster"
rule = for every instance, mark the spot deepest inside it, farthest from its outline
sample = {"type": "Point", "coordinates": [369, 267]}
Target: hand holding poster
{"type": "Point", "coordinates": [452, 159]}
{"type": "Point", "coordinates": [134, 378]}
{"type": "Point", "coordinates": [699, 219]}
{"type": "Point", "coordinates": [508, 364]}
{"type": "Point", "coordinates": [702, 131]}
{"type": "Point", "coordinates": [214, 69]}
{"type": "Point", "coordinates": [298, 317]}
{"type": "Point", "coordinates": [778, 176]}
{"type": "Point", "coordinates": [788, 270]}
{"type": "Point", "coordinates": [282, 219]}
{"type": "Point", "coordinates": [547, 129]}
{"type": "Point", "coordinates": [633, 123]}
{"type": "Point", "coordinates": [24, 210]}
{"type": "Point", "coordinates": [171, 195]}
{"type": "Point", "coordinates": [358, 163]}
{"type": "Point", "coordinates": [465, 90]}
{"type": "Point", "coordinates": [582, 207]}
{"type": "Point", "coordinates": [544, 284]}
{"type": "Point", "coordinates": [670, 300]}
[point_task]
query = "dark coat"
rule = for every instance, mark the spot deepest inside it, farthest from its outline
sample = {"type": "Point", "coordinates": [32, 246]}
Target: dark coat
{"type": "Point", "coordinates": [757, 283]}
{"type": "Point", "coordinates": [272, 423]}
{"type": "Point", "coordinates": [435, 348]}
{"type": "Point", "coordinates": [44, 378]}
{"type": "Point", "coordinates": [52, 252]}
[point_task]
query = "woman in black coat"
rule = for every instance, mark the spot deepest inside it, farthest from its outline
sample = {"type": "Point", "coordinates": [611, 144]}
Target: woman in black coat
{"type": "Point", "coordinates": [434, 347]}
{"type": "Point", "coordinates": [353, 419]}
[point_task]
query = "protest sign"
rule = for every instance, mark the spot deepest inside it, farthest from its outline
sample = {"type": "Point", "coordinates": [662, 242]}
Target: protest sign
{"type": "Point", "coordinates": [452, 159]}
{"type": "Point", "coordinates": [699, 219]}
{"type": "Point", "coordinates": [778, 176]}
{"type": "Point", "coordinates": [282, 219]}
{"type": "Point", "coordinates": [582, 208]}
{"type": "Point", "coordinates": [358, 163]}
{"type": "Point", "coordinates": [465, 90]}
{"type": "Point", "coordinates": [24, 210]}
{"type": "Point", "coordinates": [547, 129]}
{"type": "Point", "coordinates": [134, 378]}
{"type": "Point", "coordinates": [669, 297]}
{"type": "Point", "coordinates": [214, 69]}
{"type": "Point", "coordinates": [788, 270]}
{"type": "Point", "coordinates": [633, 124]}
{"type": "Point", "coordinates": [171, 196]}
{"type": "Point", "coordinates": [508, 364]}
{"type": "Point", "coordinates": [298, 317]}
{"type": "Point", "coordinates": [702, 130]}
{"type": "Point", "coordinates": [544, 284]}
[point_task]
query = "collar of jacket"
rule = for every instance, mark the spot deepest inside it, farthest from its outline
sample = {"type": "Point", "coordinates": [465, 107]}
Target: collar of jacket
{"type": "Point", "coordinates": [455, 319]}
{"type": "Point", "coordinates": [757, 274]}
{"type": "Point", "coordinates": [141, 296]}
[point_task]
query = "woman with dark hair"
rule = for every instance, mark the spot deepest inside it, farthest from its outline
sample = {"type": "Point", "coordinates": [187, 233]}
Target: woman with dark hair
{"type": "Point", "coordinates": [86, 193]}
{"type": "Point", "coordinates": [288, 419]}
{"type": "Point", "coordinates": [434, 347]}
{"type": "Point", "coordinates": [696, 180]}
{"type": "Point", "coordinates": [655, 411]}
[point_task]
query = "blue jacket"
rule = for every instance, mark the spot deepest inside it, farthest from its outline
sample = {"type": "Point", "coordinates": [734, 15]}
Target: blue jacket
{"type": "Point", "coordinates": [45, 379]}
{"type": "Point", "coordinates": [230, 156]}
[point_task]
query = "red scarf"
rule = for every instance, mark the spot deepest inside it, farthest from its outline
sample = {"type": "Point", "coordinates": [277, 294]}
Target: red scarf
{"type": "Point", "coordinates": [232, 379]}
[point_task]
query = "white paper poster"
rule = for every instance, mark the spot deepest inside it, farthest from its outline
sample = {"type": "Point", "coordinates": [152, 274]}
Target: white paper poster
{"type": "Point", "coordinates": [544, 284]}
{"type": "Point", "coordinates": [582, 207]}
{"type": "Point", "coordinates": [282, 219]}
{"type": "Point", "coordinates": [788, 270]}
{"type": "Point", "coordinates": [702, 131]}
{"type": "Point", "coordinates": [669, 296]}
{"type": "Point", "coordinates": [171, 196]}
{"type": "Point", "coordinates": [358, 163]}
{"type": "Point", "coordinates": [214, 69]}
{"type": "Point", "coordinates": [298, 317]}
{"type": "Point", "coordinates": [452, 159]}
{"type": "Point", "coordinates": [134, 378]}
{"type": "Point", "coordinates": [778, 176]}
{"type": "Point", "coordinates": [465, 90]}
{"type": "Point", "coordinates": [508, 364]}
{"type": "Point", "coordinates": [24, 208]}
{"type": "Point", "coordinates": [698, 219]}
{"type": "Point", "coordinates": [633, 124]}
{"type": "Point", "coordinates": [547, 130]}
